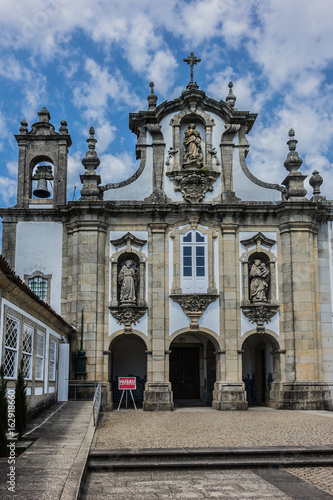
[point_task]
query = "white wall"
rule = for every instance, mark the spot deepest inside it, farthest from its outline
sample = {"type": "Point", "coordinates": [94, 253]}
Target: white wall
{"type": "Point", "coordinates": [39, 248]}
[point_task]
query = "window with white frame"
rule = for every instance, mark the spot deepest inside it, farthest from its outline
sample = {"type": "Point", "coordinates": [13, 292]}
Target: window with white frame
{"type": "Point", "coordinates": [39, 286]}
{"type": "Point", "coordinates": [194, 272]}
{"type": "Point", "coordinates": [11, 347]}
{"type": "Point", "coordinates": [28, 336]}
{"type": "Point", "coordinates": [52, 360]}
{"type": "Point", "coordinates": [40, 355]}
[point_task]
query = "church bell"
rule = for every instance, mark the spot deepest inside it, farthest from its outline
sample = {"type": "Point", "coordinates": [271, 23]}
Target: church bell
{"type": "Point", "coordinates": [41, 190]}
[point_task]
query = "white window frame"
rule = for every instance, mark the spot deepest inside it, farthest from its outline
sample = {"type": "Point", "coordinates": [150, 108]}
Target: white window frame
{"type": "Point", "coordinates": [194, 283]}
{"type": "Point", "coordinates": [28, 355]}
{"type": "Point", "coordinates": [12, 349]}
{"type": "Point", "coordinates": [52, 360]}
{"type": "Point", "coordinates": [40, 358]}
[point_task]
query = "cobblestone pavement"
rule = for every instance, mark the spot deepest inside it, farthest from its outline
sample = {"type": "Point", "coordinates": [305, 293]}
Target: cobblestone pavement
{"type": "Point", "coordinates": [204, 427]}
{"type": "Point", "coordinates": [198, 484]}
{"type": "Point", "coordinates": [321, 477]}
{"type": "Point", "coordinates": [194, 428]}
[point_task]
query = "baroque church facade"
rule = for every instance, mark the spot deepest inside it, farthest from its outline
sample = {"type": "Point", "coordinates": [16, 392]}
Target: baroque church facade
{"type": "Point", "coordinates": [206, 283]}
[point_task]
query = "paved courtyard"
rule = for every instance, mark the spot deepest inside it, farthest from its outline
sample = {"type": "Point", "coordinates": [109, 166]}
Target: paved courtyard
{"type": "Point", "coordinates": [204, 427]}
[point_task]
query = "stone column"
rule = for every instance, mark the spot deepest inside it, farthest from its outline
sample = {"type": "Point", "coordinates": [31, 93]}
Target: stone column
{"type": "Point", "coordinates": [300, 321]}
{"type": "Point", "coordinates": [157, 395]}
{"type": "Point", "coordinates": [229, 391]}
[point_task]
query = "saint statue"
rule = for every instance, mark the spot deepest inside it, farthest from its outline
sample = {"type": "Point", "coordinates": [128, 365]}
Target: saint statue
{"type": "Point", "coordinates": [259, 277]}
{"type": "Point", "coordinates": [127, 278]}
{"type": "Point", "coordinates": [192, 147]}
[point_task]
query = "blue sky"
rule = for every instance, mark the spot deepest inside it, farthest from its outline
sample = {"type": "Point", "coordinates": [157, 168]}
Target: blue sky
{"type": "Point", "coordinates": [90, 63]}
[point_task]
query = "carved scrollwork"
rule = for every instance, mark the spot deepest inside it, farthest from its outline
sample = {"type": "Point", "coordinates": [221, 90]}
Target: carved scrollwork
{"type": "Point", "coordinates": [193, 184]}
{"type": "Point", "coordinates": [194, 305]}
{"type": "Point", "coordinates": [260, 314]}
{"type": "Point", "coordinates": [128, 316]}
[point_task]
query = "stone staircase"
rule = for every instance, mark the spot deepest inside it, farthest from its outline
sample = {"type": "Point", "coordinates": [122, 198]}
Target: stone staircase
{"type": "Point", "coordinates": [129, 459]}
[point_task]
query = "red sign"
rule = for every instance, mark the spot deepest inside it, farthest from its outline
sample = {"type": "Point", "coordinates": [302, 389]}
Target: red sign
{"type": "Point", "coordinates": [127, 383]}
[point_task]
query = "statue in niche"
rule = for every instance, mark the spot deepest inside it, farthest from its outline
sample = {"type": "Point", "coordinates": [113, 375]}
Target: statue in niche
{"type": "Point", "coordinates": [127, 278]}
{"type": "Point", "coordinates": [259, 277]}
{"type": "Point", "coordinates": [192, 147]}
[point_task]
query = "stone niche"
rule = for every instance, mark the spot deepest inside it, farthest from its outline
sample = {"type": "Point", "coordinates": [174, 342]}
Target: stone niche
{"type": "Point", "coordinates": [128, 281]}
{"type": "Point", "coordinates": [259, 303]}
{"type": "Point", "coordinates": [193, 165]}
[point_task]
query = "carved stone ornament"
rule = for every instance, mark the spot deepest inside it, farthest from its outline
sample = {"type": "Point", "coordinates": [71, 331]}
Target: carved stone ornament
{"type": "Point", "coordinates": [127, 315]}
{"type": "Point", "coordinates": [194, 305]}
{"type": "Point", "coordinates": [260, 314]}
{"type": "Point", "coordinates": [193, 184]}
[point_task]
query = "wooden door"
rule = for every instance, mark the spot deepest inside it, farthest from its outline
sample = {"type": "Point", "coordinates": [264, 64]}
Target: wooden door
{"type": "Point", "coordinates": [184, 372]}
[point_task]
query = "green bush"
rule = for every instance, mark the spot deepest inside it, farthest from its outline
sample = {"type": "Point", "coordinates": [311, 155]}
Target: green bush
{"type": "Point", "coordinates": [21, 404]}
{"type": "Point", "coordinates": [3, 414]}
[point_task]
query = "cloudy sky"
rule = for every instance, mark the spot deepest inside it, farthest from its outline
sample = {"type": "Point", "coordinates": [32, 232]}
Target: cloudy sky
{"type": "Point", "coordinates": [90, 63]}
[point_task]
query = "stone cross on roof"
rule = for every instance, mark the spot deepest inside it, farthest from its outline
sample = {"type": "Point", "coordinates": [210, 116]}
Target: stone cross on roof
{"type": "Point", "coordinates": [191, 60]}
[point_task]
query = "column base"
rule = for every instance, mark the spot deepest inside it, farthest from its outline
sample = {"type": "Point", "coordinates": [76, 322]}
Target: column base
{"type": "Point", "coordinates": [300, 396]}
{"type": "Point", "coordinates": [158, 396]}
{"type": "Point", "coordinates": [229, 396]}
{"type": "Point", "coordinates": [107, 397]}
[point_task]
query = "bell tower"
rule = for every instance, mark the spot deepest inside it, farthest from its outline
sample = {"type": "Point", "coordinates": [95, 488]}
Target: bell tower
{"type": "Point", "coordinates": [42, 167]}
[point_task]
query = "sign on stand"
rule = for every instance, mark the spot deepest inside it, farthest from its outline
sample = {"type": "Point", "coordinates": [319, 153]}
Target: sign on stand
{"type": "Point", "coordinates": [126, 384]}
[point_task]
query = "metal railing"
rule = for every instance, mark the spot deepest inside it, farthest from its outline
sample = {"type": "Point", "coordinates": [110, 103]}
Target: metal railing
{"type": "Point", "coordinates": [97, 403]}
{"type": "Point", "coordinates": [81, 390]}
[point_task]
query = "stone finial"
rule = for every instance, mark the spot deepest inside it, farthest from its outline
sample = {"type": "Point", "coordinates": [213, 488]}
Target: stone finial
{"type": "Point", "coordinates": [24, 127]}
{"type": "Point", "coordinates": [315, 182]}
{"type": "Point", "coordinates": [63, 127]}
{"type": "Point", "coordinates": [152, 98]}
{"type": "Point", "coordinates": [231, 98]}
{"type": "Point", "coordinates": [91, 160]}
{"type": "Point", "coordinates": [294, 181]}
{"type": "Point", "coordinates": [90, 180]}
{"type": "Point", "coordinates": [44, 115]}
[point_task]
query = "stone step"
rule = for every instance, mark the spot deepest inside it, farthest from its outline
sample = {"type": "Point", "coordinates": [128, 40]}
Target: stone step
{"type": "Point", "coordinates": [207, 457]}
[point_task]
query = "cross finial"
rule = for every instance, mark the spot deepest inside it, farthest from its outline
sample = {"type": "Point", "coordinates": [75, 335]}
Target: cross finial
{"type": "Point", "coordinates": [192, 60]}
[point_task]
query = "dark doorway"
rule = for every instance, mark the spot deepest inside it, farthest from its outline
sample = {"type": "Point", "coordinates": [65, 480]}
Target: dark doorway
{"type": "Point", "coordinates": [184, 372]}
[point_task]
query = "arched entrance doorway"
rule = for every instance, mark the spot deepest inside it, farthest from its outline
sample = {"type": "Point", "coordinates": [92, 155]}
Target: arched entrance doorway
{"type": "Point", "coordinates": [128, 359]}
{"type": "Point", "coordinates": [192, 369]}
{"type": "Point", "coordinates": [259, 367]}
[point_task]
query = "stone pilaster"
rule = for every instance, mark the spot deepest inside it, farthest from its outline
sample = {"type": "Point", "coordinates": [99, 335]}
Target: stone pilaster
{"type": "Point", "coordinates": [158, 394]}
{"type": "Point", "coordinates": [229, 391]}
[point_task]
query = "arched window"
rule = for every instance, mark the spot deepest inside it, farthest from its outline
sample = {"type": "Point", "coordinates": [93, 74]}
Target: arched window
{"type": "Point", "coordinates": [194, 268]}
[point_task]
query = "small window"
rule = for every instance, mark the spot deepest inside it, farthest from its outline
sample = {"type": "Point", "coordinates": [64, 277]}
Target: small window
{"type": "Point", "coordinates": [39, 355]}
{"type": "Point", "coordinates": [11, 347]}
{"type": "Point", "coordinates": [52, 360]}
{"type": "Point", "coordinates": [39, 286]}
{"type": "Point", "coordinates": [28, 335]}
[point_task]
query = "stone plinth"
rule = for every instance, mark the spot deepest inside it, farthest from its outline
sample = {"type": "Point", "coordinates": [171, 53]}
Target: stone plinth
{"type": "Point", "coordinates": [158, 397]}
{"type": "Point", "coordinates": [229, 396]}
{"type": "Point", "coordinates": [300, 396]}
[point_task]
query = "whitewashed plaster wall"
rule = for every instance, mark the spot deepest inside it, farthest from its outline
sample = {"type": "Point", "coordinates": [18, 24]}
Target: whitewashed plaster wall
{"type": "Point", "coordinates": [245, 323]}
{"type": "Point", "coordinates": [39, 248]}
{"type": "Point", "coordinates": [139, 189]}
{"type": "Point", "coordinates": [247, 190]}
{"type": "Point", "coordinates": [142, 324]}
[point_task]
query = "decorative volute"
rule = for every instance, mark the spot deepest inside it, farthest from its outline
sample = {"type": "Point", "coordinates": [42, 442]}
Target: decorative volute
{"type": "Point", "coordinates": [294, 181]}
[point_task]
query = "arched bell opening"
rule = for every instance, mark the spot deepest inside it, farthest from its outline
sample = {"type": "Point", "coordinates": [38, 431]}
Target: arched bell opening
{"type": "Point", "coordinates": [42, 177]}
{"type": "Point", "coordinates": [192, 369]}
{"type": "Point", "coordinates": [260, 367]}
{"type": "Point", "coordinates": [128, 359]}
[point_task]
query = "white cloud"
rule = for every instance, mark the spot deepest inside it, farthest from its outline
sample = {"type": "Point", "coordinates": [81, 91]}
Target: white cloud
{"type": "Point", "coordinates": [8, 189]}
{"type": "Point", "coordinates": [117, 168]}
{"type": "Point", "coordinates": [93, 96]}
